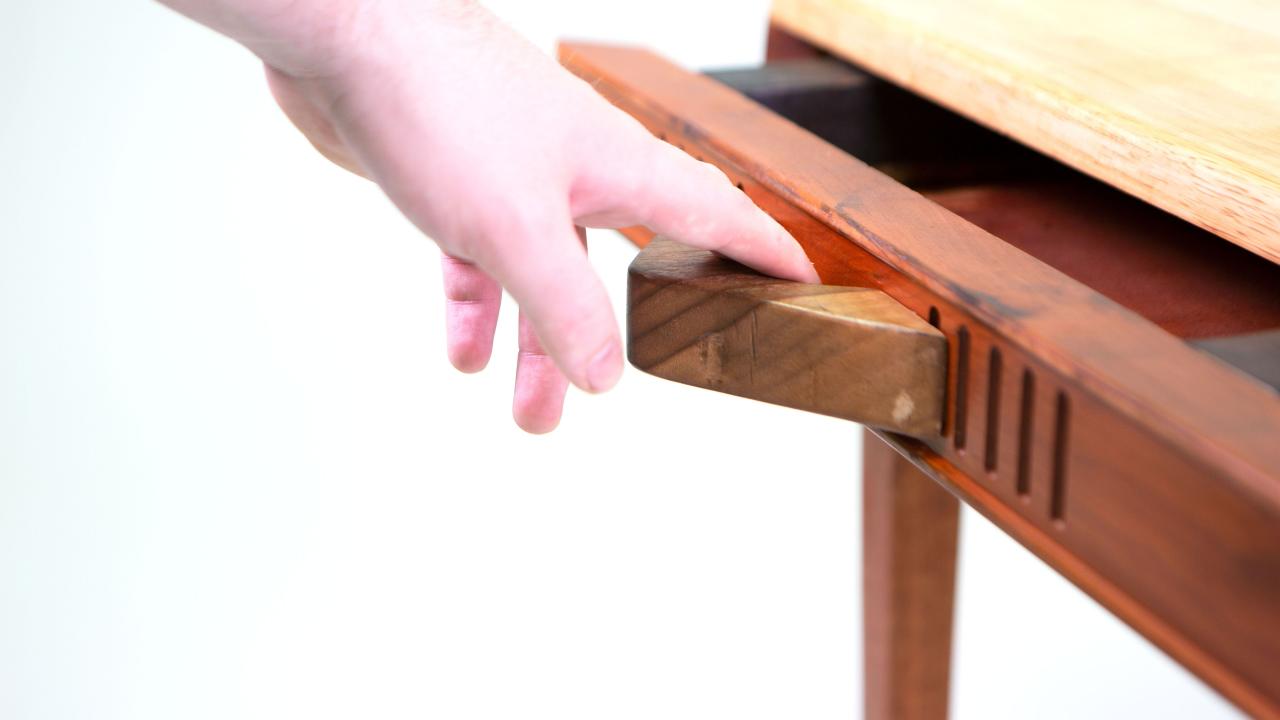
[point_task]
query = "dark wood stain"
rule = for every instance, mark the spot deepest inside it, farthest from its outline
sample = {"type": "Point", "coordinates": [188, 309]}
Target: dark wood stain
{"type": "Point", "coordinates": [1153, 484]}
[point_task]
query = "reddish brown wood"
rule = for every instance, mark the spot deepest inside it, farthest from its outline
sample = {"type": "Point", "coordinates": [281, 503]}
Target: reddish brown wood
{"type": "Point", "coordinates": [1091, 579]}
{"type": "Point", "coordinates": [1120, 246]}
{"type": "Point", "coordinates": [1145, 470]}
{"type": "Point", "coordinates": [1182, 278]}
{"type": "Point", "coordinates": [782, 45]}
{"type": "Point", "coordinates": [910, 526]}
{"type": "Point", "coordinates": [639, 235]}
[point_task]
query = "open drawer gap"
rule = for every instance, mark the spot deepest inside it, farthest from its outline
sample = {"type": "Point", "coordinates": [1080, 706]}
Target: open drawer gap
{"type": "Point", "coordinates": [1182, 278]}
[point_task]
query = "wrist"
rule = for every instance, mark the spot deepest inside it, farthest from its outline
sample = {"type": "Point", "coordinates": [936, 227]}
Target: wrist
{"type": "Point", "coordinates": [311, 38]}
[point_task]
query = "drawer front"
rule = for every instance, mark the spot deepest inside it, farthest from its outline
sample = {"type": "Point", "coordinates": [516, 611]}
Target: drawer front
{"type": "Point", "coordinates": [852, 353]}
{"type": "Point", "coordinates": [1144, 470]}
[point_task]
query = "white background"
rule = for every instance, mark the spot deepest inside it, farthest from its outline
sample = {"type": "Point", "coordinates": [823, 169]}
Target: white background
{"type": "Point", "coordinates": [238, 477]}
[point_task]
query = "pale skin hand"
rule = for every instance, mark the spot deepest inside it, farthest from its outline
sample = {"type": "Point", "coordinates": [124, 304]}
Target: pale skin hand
{"type": "Point", "coordinates": [500, 156]}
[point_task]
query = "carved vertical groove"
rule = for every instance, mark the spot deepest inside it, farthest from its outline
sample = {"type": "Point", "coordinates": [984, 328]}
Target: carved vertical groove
{"type": "Point", "coordinates": [962, 387]}
{"type": "Point", "coordinates": [1025, 432]}
{"type": "Point", "coordinates": [935, 319]}
{"type": "Point", "coordinates": [994, 361]}
{"type": "Point", "coordinates": [1061, 434]}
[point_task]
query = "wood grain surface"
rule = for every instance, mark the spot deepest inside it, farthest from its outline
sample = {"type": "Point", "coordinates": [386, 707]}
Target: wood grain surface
{"type": "Point", "coordinates": [852, 353]}
{"type": "Point", "coordinates": [1126, 249]}
{"type": "Point", "coordinates": [1145, 470]}
{"type": "Point", "coordinates": [1176, 102]}
{"type": "Point", "coordinates": [910, 529]}
{"type": "Point", "coordinates": [1182, 278]}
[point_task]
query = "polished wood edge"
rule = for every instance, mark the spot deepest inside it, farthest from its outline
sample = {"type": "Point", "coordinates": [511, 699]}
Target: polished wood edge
{"type": "Point", "coordinates": [1255, 353]}
{"type": "Point", "coordinates": [1096, 586]}
{"type": "Point", "coordinates": [1135, 368]}
{"type": "Point", "coordinates": [912, 140]}
{"type": "Point", "coordinates": [1136, 440]}
{"type": "Point", "coordinates": [639, 236]}
{"type": "Point", "coordinates": [1046, 547]}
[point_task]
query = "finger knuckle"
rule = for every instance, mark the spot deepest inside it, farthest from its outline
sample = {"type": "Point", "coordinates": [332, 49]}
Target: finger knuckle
{"type": "Point", "coordinates": [713, 171]}
{"type": "Point", "coordinates": [526, 220]}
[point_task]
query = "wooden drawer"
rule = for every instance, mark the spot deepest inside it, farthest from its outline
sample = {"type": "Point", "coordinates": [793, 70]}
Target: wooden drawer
{"type": "Point", "coordinates": [1102, 403]}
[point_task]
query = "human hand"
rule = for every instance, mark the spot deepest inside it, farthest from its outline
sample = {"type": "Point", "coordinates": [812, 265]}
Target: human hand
{"type": "Point", "coordinates": [502, 157]}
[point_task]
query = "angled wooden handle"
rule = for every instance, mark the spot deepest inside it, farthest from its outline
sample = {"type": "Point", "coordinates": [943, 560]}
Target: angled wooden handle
{"type": "Point", "coordinates": [853, 353]}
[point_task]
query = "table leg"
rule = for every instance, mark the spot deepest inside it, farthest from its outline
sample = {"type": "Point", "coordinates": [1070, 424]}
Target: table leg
{"type": "Point", "coordinates": [782, 45]}
{"type": "Point", "coordinates": [910, 526]}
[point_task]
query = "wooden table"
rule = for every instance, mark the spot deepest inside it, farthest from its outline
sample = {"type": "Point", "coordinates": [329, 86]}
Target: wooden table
{"type": "Point", "coordinates": [1107, 377]}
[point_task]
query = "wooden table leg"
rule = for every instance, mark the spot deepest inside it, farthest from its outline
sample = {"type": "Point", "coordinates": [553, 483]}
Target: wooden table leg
{"type": "Point", "coordinates": [910, 526]}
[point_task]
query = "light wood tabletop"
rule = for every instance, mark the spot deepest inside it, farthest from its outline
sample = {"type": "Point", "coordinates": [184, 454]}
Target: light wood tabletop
{"type": "Point", "coordinates": [1174, 101]}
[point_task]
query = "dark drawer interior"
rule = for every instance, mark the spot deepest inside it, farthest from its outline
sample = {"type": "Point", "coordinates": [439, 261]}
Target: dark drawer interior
{"type": "Point", "coordinates": [1183, 279]}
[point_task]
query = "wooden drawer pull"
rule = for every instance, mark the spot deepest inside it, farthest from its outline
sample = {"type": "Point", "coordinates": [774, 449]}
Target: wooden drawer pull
{"type": "Point", "coordinates": [853, 353]}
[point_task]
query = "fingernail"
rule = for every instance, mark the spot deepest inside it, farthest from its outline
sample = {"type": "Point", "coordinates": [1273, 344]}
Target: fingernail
{"type": "Point", "coordinates": [605, 369]}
